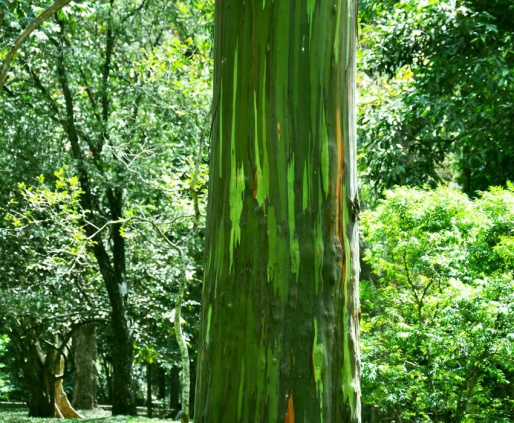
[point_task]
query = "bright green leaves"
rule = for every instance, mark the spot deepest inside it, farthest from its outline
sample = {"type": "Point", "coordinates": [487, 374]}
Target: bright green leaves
{"type": "Point", "coordinates": [60, 204]}
{"type": "Point", "coordinates": [4, 384]}
{"type": "Point", "coordinates": [420, 121]}
{"type": "Point", "coordinates": [437, 322]}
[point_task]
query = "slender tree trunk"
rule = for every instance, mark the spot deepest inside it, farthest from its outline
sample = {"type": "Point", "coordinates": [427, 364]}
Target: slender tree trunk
{"type": "Point", "coordinates": [162, 385]}
{"type": "Point", "coordinates": [185, 377]}
{"type": "Point", "coordinates": [279, 335]}
{"type": "Point", "coordinates": [149, 403]}
{"type": "Point", "coordinates": [84, 394]}
{"type": "Point", "coordinates": [123, 395]}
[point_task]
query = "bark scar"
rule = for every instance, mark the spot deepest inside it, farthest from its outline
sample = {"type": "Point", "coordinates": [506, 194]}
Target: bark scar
{"type": "Point", "coordinates": [355, 206]}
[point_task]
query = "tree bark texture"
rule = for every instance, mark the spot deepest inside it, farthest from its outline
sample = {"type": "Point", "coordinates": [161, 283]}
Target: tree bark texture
{"type": "Point", "coordinates": [279, 335]}
{"type": "Point", "coordinates": [84, 394]}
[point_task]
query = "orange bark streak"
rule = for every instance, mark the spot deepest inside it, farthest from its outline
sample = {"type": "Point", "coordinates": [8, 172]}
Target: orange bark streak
{"type": "Point", "coordinates": [254, 192]}
{"type": "Point", "coordinates": [290, 410]}
{"type": "Point", "coordinates": [278, 130]}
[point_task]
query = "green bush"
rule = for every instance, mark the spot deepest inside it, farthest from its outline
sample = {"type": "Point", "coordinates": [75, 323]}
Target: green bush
{"type": "Point", "coordinates": [4, 379]}
{"type": "Point", "coordinates": [438, 322]}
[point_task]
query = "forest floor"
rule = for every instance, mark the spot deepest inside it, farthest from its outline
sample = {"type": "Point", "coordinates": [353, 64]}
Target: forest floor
{"type": "Point", "coordinates": [19, 415]}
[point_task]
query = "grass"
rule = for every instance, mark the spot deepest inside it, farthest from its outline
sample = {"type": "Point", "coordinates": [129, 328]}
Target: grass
{"type": "Point", "coordinates": [19, 415]}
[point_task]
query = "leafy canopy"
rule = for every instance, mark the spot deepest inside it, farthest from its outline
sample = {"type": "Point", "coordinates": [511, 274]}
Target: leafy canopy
{"type": "Point", "coordinates": [437, 329]}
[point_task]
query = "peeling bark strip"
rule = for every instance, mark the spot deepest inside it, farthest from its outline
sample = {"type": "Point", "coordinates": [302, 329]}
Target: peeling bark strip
{"type": "Point", "coordinates": [280, 299]}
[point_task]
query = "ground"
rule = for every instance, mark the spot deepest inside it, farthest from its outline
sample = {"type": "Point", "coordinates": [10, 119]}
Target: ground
{"type": "Point", "coordinates": [19, 415]}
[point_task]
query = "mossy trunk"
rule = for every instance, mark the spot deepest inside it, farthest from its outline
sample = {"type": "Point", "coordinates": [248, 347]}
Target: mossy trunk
{"type": "Point", "coordinates": [279, 335]}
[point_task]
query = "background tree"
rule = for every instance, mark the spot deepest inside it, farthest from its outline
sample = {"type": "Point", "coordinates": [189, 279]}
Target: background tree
{"type": "Point", "coordinates": [437, 331]}
{"type": "Point", "coordinates": [437, 93]}
{"type": "Point", "coordinates": [84, 393]}
{"type": "Point", "coordinates": [90, 91]}
{"type": "Point", "coordinates": [279, 332]}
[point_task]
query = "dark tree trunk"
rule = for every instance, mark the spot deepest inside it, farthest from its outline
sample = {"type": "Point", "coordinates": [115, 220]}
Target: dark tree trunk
{"type": "Point", "coordinates": [174, 387]}
{"type": "Point", "coordinates": [84, 394]}
{"type": "Point", "coordinates": [162, 384]}
{"type": "Point", "coordinates": [39, 376]}
{"type": "Point", "coordinates": [149, 404]}
{"type": "Point", "coordinates": [123, 395]}
{"type": "Point", "coordinates": [44, 377]}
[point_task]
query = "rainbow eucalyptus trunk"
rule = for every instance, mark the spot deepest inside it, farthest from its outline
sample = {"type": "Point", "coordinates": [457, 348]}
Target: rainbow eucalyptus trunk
{"type": "Point", "coordinates": [279, 338]}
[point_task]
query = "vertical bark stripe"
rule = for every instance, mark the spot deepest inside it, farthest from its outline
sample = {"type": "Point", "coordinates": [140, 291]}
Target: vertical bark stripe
{"type": "Point", "coordinates": [290, 410]}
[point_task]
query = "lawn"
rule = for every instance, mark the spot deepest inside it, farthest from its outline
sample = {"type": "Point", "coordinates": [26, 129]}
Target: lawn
{"type": "Point", "coordinates": [19, 415]}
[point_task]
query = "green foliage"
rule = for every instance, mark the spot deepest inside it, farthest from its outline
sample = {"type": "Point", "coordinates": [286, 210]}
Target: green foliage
{"type": "Point", "coordinates": [437, 90]}
{"type": "Point", "coordinates": [141, 117]}
{"type": "Point", "coordinates": [437, 323]}
{"type": "Point", "coordinates": [4, 383]}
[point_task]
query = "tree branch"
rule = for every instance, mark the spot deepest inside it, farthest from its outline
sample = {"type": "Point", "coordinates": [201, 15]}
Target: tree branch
{"type": "Point", "coordinates": [49, 11]}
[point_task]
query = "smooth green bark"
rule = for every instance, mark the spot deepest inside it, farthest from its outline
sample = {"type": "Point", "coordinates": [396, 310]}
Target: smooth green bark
{"type": "Point", "coordinates": [279, 335]}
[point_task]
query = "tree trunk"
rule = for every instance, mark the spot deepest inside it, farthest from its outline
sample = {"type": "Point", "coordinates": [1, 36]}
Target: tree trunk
{"type": "Point", "coordinates": [174, 388]}
{"type": "Point", "coordinates": [63, 408]}
{"type": "Point", "coordinates": [279, 334]}
{"type": "Point", "coordinates": [149, 402]}
{"type": "Point", "coordinates": [162, 384]}
{"type": "Point", "coordinates": [123, 395]}
{"type": "Point", "coordinates": [44, 375]}
{"type": "Point", "coordinates": [84, 394]}
{"type": "Point", "coordinates": [39, 377]}
{"type": "Point", "coordinates": [111, 266]}
{"type": "Point", "coordinates": [185, 377]}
